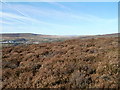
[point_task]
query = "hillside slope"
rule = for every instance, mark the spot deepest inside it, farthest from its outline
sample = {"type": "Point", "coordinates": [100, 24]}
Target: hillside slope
{"type": "Point", "coordinates": [77, 63]}
{"type": "Point", "coordinates": [13, 39]}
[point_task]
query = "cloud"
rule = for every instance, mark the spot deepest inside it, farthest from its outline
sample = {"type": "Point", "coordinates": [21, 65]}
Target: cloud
{"type": "Point", "coordinates": [6, 4]}
{"type": "Point", "coordinates": [25, 20]}
{"type": "Point", "coordinates": [37, 12]}
{"type": "Point", "coordinates": [20, 18]}
{"type": "Point", "coordinates": [60, 5]}
{"type": "Point", "coordinates": [31, 17]}
{"type": "Point", "coordinates": [4, 22]}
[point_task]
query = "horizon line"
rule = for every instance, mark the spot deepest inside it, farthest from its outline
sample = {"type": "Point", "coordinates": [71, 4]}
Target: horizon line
{"type": "Point", "coordinates": [59, 35]}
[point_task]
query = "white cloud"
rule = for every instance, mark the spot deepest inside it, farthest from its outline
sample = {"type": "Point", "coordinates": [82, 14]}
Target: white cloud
{"type": "Point", "coordinates": [4, 22]}
{"type": "Point", "coordinates": [20, 18]}
{"type": "Point", "coordinates": [32, 16]}
{"type": "Point", "coordinates": [29, 11]}
{"type": "Point", "coordinates": [25, 20]}
{"type": "Point", "coordinates": [60, 5]}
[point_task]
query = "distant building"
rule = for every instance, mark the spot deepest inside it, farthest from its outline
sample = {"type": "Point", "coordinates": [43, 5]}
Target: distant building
{"type": "Point", "coordinates": [35, 42]}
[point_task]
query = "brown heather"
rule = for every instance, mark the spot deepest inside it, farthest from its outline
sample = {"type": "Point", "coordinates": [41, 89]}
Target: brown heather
{"type": "Point", "coordinates": [77, 63]}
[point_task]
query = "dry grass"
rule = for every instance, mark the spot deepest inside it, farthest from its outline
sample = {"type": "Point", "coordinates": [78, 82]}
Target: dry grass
{"type": "Point", "coordinates": [89, 63]}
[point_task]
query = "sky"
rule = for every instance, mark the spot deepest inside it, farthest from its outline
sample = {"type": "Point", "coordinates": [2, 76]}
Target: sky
{"type": "Point", "coordinates": [59, 18]}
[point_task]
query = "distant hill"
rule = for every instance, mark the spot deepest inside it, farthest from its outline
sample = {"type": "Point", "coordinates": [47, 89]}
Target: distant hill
{"type": "Point", "coordinates": [30, 38]}
{"type": "Point", "coordinates": [54, 36]}
{"type": "Point", "coordinates": [100, 36]}
{"type": "Point", "coordinates": [18, 34]}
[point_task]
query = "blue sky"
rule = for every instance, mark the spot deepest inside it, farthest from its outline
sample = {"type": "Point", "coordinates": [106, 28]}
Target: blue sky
{"type": "Point", "coordinates": [60, 18]}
